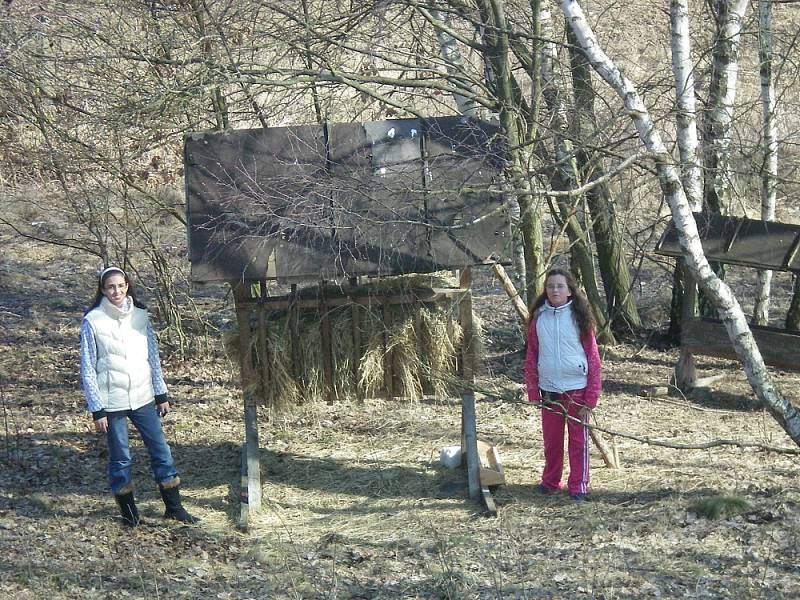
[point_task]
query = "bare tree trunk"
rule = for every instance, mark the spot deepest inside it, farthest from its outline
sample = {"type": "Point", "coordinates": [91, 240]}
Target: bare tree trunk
{"type": "Point", "coordinates": [721, 96]}
{"type": "Point", "coordinates": [719, 117]}
{"type": "Point", "coordinates": [466, 105]}
{"type": "Point", "coordinates": [565, 178]}
{"type": "Point", "coordinates": [498, 69]}
{"type": "Point", "coordinates": [218, 103]}
{"type": "Point", "coordinates": [617, 283]}
{"type": "Point", "coordinates": [769, 168]}
{"type": "Point", "coordinates": [454, 63]}
{"type": "Point", "coordinates": [729, 309]}
{"type": "Point", "coordinates": [683, 71]}
{"type": "Point", "coordinates": [691, 170]}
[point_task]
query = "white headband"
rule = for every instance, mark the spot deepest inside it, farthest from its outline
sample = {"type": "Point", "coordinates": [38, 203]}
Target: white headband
{"type": "Point", "coordinates": [109, 269]}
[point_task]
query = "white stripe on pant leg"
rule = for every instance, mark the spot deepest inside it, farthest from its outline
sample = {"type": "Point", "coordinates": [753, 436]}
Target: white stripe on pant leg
{"type": "Point", "coordinates": [585, 474]}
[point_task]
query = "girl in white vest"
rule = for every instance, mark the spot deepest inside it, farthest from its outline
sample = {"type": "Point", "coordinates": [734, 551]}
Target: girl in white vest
{"type": "Point", "coordinates": [121, 376]}
{"type": "Point", "coordinates": [562, 373]}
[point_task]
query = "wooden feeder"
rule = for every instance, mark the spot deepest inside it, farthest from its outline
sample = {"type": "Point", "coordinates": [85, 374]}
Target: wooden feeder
{"type": "Point", "coordinates": [340, 203]}
{"type": "Point", "coordinates": [737, 241]}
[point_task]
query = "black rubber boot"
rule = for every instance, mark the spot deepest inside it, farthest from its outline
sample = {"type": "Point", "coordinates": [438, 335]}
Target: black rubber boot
{"type": "Point", "coordinates": [170, 493]}
{"type": "Point", "coordinates": [127, 508]}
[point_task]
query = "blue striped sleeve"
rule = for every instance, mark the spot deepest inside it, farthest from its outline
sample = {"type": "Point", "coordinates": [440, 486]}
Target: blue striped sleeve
{"type": "Point", "coordinates": [159, 387]}
{"type": "Point", "coordinates": [89, 368]}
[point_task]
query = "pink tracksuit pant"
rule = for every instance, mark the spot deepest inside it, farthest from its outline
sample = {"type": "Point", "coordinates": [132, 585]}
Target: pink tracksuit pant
{"type": "Point", "coordinates": [553, 421]}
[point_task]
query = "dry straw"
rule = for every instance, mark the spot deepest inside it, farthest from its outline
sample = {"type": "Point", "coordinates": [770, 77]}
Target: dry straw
{"type": "Point", "coordinates": [421, 346]}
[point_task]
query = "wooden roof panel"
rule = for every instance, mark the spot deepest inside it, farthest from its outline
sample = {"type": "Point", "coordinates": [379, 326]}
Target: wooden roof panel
{"type": "Point", "coordinates": [338, 200]}
{"type": "Point", "coordinates": [741, 241]}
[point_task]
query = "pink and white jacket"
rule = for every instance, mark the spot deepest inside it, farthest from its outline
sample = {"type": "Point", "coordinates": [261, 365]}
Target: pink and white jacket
{"type": "Point", "coordinates": [558, 359]}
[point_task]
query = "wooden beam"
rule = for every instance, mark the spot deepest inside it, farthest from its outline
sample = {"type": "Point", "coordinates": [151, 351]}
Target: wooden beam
{"type": "Point", "coordinates": [251, 497]}
{"type": "Point", "coordinates": [284, 302]}
{"type": "Point", "coordinates": [263, 348]}
{"type": "Point", "coordinates": [511, 292]}
{"type": "Point", "coordinates": [779, 347]}
{"type": "Point", "coordinates": [244, 505]}
{"type": "Point", "coordinates": [253, 459]}
{"type": "Point", "coordinates": [294, 333]}
{"type": "Point", "coordinates": [469, 444]}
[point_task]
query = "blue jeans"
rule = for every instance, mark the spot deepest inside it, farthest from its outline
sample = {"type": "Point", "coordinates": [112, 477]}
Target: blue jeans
{"type": "Point", "coordinates": [146, 420]}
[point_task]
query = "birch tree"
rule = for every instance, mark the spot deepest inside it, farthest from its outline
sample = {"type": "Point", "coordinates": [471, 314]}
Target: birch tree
{"type": "Point", "coordinates": [690, 169]}
{"type": "Point", "coordinates": [719, 113]}
{"type": "Point", "coordinates": [726, 303]}
{"type": "Point", "coordinates": [617, 281]}
{"type": "Point", "coordinates": [769, 141]}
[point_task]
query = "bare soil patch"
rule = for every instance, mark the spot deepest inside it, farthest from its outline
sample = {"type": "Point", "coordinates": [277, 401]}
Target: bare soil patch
{"type": "Point", "coordinates": [356, 505]}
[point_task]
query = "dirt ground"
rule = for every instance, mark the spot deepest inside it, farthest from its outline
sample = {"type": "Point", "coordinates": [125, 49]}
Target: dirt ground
{"type": "Point", "coordinates": [356, 504]}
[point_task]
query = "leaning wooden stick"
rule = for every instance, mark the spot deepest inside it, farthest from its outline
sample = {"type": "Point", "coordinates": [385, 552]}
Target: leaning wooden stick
{"type": "Point", "coordinates": [609, 456]}
{"type": "Point", "coordinates": [509, 288]}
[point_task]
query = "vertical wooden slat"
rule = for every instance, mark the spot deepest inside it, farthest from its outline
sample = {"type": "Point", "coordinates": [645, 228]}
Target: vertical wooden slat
{"type": "Point", "coordinates": [327, 351]}
{"type": "Point", "coordinates": [388, 355]}
{"type": "Point", "coordinates": [425, 377]}
{"type": "Point", "coordinates": [294, 333]}
{"type": "Point", "coordinates": [355, 321]}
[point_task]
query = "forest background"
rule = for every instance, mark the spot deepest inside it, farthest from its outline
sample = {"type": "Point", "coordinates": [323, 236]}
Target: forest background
{"type": "Point", "coordinates": [97, 97]}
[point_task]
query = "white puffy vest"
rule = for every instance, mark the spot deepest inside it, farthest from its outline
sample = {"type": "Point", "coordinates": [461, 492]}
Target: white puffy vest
{"type": "Point", "coordinates": [123, 373]}
{"type": "Point", "coordinates": [562, 360]}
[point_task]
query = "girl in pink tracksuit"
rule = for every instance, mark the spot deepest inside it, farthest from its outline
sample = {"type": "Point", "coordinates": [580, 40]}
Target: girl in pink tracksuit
{"type": "Point", "coordinates": [562, 373]}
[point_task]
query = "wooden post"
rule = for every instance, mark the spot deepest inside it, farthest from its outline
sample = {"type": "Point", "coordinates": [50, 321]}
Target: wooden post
{"type": "Point", "coordinates": [469, 436]}
{"type": "Point", "coordinates": [251, 495]}
{"type": "Point", "coordinates": [685, 370]}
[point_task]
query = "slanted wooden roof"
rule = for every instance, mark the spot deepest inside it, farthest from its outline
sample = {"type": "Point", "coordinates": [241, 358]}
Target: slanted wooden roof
{"type": "Point", "coordinates": [740, 241]}
{"type": "Point", "coordinates": [335, 200]}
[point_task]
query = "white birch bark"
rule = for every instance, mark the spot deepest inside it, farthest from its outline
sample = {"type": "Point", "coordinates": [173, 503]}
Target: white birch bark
{"type": "Point", "coordinates": [722, 95]}
{"type": "Point", "coordinates": [729, 309]}
{"type": "Point", "coordinates": [454, 63]}
{"type": "Point", "coordinates": [769, 172]}
{"type": "Point", "coordinates": [683, 71]}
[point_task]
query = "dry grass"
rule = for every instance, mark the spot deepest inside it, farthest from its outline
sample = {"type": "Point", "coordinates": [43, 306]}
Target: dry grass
{"type": "Point", "coordinates": [421, 344]}
{"type": "Point", "coordinates": [356, 505]}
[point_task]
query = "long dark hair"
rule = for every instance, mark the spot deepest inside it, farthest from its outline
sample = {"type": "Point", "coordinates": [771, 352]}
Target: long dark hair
{"type": "Point", "coordinates": [581, 310]}
{"type": "Point", "coordinates": [101, 282]}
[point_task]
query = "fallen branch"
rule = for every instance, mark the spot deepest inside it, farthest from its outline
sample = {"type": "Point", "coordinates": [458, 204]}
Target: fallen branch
{"type": "Point", "coordinates": [647, 440]}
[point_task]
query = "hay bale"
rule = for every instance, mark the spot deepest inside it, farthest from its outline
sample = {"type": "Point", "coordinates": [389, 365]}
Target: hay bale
{"type": "Point", "coordinates": [423, 342]}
